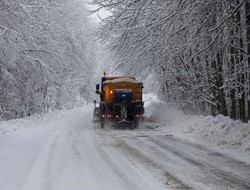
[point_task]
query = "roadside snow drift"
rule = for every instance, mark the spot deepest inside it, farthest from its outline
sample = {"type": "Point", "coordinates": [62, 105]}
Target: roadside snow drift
{"type": "Point", "coordinates": [218, 131]}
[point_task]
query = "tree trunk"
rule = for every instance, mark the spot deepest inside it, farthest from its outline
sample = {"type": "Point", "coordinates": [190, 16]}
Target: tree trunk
{"type": "Point", "coordinates": [245, 60]}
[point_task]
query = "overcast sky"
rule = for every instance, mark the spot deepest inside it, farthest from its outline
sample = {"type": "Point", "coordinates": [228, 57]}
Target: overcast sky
{"type": "Point", "coordinates": [101, 14]}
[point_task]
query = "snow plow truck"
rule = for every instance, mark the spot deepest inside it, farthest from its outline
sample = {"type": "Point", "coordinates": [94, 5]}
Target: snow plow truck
{"type": "Point", "coordinates": [121, 102]}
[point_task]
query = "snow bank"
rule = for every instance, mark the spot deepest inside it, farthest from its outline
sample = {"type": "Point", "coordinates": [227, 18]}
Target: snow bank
{"type": "Point", "coordinates": [11, 126]}
{"type": "Point", "coordinates": [217, 131]}
{"type": "Point", "coordinates": [212, 131]}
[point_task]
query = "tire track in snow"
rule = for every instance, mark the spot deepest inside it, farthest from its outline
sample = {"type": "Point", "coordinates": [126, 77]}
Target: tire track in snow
{"type": "Point", "coordinates": [53, 161]}
{"type": "Point", "coordinates": [172, 181]}
{"type": "Point", "coordinates": [48, 167]}
{"type": "Point", "coordinates": [226, 178]}
{"type": "Point", "coordinates": [206, 175]}
{"type": "Point", "coordinates": [186, 171]}
{"type": "Point", "coordinates": [240, 164]}
{"type": "Point", "coordinates": [76, 152]}
{"type": "Point", "coordinates": [209, 155]}
{"type": "Point", "coordinates": [99, 165]}
{"type": "Point", "coordinates": [45, 167]}
{"type": "Point", "coordinates": [126, 179]}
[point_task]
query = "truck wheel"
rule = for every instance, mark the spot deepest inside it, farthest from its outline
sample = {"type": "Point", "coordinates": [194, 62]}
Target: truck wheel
{"type": "Point", "coordinates": [102, 123]}
{"type": "Point", "coordinates": [135, 124]}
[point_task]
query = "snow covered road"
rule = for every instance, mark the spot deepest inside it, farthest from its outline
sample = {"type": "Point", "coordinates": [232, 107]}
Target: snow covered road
{"type": "Point", "coordinates": [178, 163]}
{"type": "Point", "coordinates": [73, 153]}
{"type": "Point", "coordinates": [66, 155]}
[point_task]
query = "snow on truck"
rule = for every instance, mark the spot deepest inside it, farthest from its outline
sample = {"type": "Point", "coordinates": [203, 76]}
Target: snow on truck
{"type": "Point", "coordinates": [121, 102]}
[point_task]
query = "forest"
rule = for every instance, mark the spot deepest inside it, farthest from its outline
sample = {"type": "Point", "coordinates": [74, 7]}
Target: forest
{"type": "Point", "coordinates": [47, 56]}
{"type": "Point", "coordinates": [196, 50]}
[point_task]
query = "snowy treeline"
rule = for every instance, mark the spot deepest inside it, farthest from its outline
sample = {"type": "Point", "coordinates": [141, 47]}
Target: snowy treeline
{"type": "Point", "coordinates": [198, 50]}
{"type": "Point", "coordinates": [46, 55]}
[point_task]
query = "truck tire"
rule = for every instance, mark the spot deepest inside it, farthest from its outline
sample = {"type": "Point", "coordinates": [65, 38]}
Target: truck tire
{"type": "Point", "coordinates": [102, 123]}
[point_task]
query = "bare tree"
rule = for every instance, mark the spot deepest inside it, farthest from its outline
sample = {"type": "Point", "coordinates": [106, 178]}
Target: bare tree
{"type": "Point", "coordinates": [197, 50]}
{"type": "Point", "coordinates": [46, 55]}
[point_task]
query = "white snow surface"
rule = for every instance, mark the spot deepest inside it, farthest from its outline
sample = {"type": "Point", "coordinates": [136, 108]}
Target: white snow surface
{"type": "Point", "coordinates": [35, 120]}
{"type": "Point", "coordinates": [65, 150]}
{"type": "Point", "coordinates": [60, 151]}
{"type": "Point", "coordinates": [218, 132]}
{"type": "Point", "coordinates": [117, 80]}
